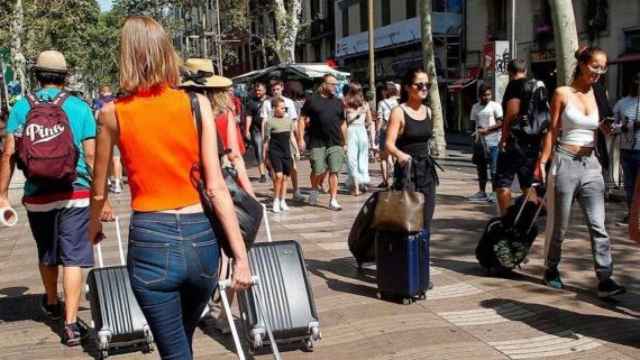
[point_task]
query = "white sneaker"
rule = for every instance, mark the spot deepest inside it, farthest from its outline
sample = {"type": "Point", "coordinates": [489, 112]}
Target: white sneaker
{"type": "Point", "coordinates": [333, 205]}
{"type": "Point", "coordinates": [492, 198]}
{"type": "Point", "coordinates": [283, 205]}
{"type": "Point", "coordinates": [117, 186]}
{"type": "Point", "coordinates": [478, 197]}
{"type": "Point", "coordinates": [297, 196]}
{"type": "Point", "coordinates": [276, 206]}
{"type": "Point", "coordinates": [313, 198]}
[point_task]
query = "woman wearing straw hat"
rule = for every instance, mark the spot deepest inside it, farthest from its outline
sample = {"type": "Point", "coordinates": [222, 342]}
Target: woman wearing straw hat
{"type": "Point", "coordinates": [173, 252]}
{"type": "Point", "coordinates": [198, 76]}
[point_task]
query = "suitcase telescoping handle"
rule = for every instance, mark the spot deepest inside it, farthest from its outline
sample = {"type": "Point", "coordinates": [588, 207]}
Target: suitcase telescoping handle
{"type": "Point", "coordinates": [265, 217]}
{"type": "Point", "coordinates": [524, 203]}
{"type": "Point", "coordinates": [255, 281]}
{"type": "Point", "coordinates": [120, 250]}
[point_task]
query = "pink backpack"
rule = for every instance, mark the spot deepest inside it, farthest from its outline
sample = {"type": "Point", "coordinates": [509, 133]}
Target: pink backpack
{"type": "Point", "coordinates": [46, 152]}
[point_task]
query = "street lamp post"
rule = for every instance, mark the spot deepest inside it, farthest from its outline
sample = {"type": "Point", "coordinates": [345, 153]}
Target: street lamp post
{"type": "Point", "coordinates": [372, 64]}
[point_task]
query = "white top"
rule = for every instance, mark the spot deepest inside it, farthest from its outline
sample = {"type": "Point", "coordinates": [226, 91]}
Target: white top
{"type": "Point", "coordinates": [578, 128]}
{"type": "Point", "coordinates": [384, 110]}
{"type": "Point", "coordinates": [486, 116]}
{"type": "Point", "coordinates": [626, 113]}
{"type": "Point", "coordinates": [266, 112]}
{"type": "Point", "coordinates": [357, 117]}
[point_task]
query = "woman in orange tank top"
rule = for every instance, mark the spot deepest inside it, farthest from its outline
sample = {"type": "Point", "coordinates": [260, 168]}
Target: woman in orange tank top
{"type": "Point", "coordinates": [173, 252]}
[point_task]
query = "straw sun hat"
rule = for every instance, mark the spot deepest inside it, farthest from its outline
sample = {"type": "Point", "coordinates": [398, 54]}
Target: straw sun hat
{"type": "Point", "coordinates": [199, 73]}
{"type": "Point", "coordinates": [51, 61]}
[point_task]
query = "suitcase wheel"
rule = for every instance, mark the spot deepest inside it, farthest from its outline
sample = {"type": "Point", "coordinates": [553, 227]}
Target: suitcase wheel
{"type": "Point", "coordinates": [308, 345]}
{"type": "Point", "coordinates": [103, 354]}
{"type": "Point", "coordinates": [422, 296]}
{"type": "Point", "coordinates": [257, 341]}
{"type": "Point", "coordinates": [407, 301]}
{"type": "Point", "coordinates": [379, 295]}
{"type": "Point", "coordinates": [315, 334]}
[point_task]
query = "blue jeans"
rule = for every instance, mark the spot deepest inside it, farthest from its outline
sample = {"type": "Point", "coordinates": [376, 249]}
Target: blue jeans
{"type": "Point", "coordinates": [173, 267]}
{"type": "Point", "coordinates": [630, 163]}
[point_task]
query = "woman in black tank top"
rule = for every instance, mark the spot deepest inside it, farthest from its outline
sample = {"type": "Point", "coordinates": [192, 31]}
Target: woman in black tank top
{"type": "Point", "coordinates": [409, 133]}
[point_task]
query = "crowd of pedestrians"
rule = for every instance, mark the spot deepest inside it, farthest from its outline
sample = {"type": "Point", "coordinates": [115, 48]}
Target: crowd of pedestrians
{"type": "Point", "coordinates": [174, 256]}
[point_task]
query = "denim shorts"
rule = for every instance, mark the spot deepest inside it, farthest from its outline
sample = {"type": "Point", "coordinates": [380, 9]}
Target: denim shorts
{"type": "Point", "coordinates": [62, 236]}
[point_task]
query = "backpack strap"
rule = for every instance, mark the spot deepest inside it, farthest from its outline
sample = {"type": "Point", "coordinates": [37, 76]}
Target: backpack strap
{"type": "Point", "coordinates": [32, 99]}
{"type": "Point", "coordinates": [61, 98]}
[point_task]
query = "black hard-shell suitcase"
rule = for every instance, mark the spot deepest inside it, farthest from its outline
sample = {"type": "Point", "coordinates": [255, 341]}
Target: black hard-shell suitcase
{"type": "Point", "coordinates": [286, 294]}
{"type": "Point", "coordinates": [118, 321]}
{"type": "Point", "coordinates": [362, 236]}
{"type": "Point", "coordinates": [402, 262]}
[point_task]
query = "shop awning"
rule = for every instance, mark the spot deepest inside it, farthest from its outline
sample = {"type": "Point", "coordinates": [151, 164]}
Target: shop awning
{"type": "Point", "coordinates": [626, 58]}
{"type": "Point", "coordinates": [307, 71]}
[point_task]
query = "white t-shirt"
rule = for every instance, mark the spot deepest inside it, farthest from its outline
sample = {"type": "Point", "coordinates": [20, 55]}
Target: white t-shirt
{"type": "Point", "coordinates": [626, 109]}
{"type": "Point", "coordinates": [266, 112]}
{"type": "Point", "coordinates": [384, 110]}
{"type": "Point", "coordinates": [487, 116]}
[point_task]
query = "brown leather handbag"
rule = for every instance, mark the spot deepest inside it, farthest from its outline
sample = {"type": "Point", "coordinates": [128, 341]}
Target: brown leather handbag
{"type": "Point", "coordinates": [400, 211]}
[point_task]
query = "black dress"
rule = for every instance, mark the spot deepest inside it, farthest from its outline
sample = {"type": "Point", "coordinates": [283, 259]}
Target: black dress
{"type": "Point", "coordinates": [415, 141]}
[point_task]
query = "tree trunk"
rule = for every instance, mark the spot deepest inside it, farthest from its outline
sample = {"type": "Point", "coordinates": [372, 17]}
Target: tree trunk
{"type": "Point", "coordinates": [18, 59]}
{"type": "Point", "coordinates": [440, 144]}
{"type": "Point", "coordinates": [287, 28]}
{"type": "Point", "coordinates": [566, 39]}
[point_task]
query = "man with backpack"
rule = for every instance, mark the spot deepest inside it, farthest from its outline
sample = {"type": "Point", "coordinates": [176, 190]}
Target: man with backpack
{"type": "Point", "coordinates": [51, 137]}
{"type": "Point", "coordinates": [253, 128]}
{"type": "Point", "coordinates": [526, 118]}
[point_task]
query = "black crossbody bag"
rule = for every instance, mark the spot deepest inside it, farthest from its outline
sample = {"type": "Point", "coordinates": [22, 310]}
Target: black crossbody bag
{"type": "Point", "coordinates": [248, 210]}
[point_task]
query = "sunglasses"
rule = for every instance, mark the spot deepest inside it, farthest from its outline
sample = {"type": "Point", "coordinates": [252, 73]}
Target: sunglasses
{"type": "Point", "coordinates": [332, 84]}
{"type": "Point", "coordinates": [422, 86]}
{"type": "Point", "coordinates": [598, 70]}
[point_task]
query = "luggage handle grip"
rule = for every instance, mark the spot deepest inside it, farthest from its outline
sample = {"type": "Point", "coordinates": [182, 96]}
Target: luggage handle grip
{"type": "Point", "coordinates": [225, 284]}
{"type": "Point", "coordinates": [98, 246]}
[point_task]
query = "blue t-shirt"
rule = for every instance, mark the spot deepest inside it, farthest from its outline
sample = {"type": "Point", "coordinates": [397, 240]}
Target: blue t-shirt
{"type": "Point", "coordinates": [83, 127]}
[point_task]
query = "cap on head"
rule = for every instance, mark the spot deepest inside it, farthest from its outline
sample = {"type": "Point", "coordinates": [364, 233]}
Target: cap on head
{"type": "Point", "coordinates": [51, 61]}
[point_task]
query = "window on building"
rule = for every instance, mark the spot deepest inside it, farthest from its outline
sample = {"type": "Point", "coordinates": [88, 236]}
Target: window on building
{"type": "Point", "coordinates": [412, 8]}
{"type": "Point", "coordinates": [345, 21]}
{"type": "Point", "coordinates": [497, 19]}
{"type": "Point", "coordinates": [315, 9]}
{"type": "Point", "coordinates": [364, 15]}
{"type": "Point", "coordinates": [386, 12]}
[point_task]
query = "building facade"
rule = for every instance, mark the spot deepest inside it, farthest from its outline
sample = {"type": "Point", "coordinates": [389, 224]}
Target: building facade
{"type": "Point", "coordinates": [612, 25]}
{"type": "Point", "coordinates": [397, 37]}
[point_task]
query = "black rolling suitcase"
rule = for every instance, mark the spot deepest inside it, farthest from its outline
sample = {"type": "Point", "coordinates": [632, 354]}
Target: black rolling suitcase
{"type": "Point", "coordinates": [506, 241]}
{"type": "Point", "coordinates": [362, 236]}
{"type": "Point", "coordinates": [118, 321]}
{"type": "Point", "coordinates": [285, 293]}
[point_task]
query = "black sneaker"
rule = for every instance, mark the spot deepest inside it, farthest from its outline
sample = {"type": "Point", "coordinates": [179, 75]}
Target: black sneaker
{"type": "Point", "coordinates": [624, 221]}
{"type": "Point", "coordinates": [72, 334]}
{"type": "Point", "coordinates": [552, 279]}
{"type": "Point", "coordinates": [54, 311]}
{"type": "Point", "coordinates": [608, 288]}
{"type": "Point", "coordinates": [263, 179]}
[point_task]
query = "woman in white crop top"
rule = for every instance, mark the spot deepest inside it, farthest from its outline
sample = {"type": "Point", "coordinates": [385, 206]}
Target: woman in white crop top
{"type": "Point", "coordinates": [575, 172]}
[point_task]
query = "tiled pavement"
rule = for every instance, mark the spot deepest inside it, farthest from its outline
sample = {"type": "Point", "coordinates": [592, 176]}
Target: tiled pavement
{"type": "Point", "coordinates": [466, 316]}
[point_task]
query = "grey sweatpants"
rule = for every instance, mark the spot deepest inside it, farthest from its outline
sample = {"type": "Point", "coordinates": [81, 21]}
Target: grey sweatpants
{"type": "Point", "coordinates": [572, 177]}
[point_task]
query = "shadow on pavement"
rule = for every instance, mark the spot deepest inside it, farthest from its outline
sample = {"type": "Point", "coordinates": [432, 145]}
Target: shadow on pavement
{"type": "Point", "coordinates": [617, 330]}
{"type": "Point", "coordinates": [345, 268]}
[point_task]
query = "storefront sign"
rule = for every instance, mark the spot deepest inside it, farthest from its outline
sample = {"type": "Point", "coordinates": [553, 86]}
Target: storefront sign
{"type": "Point", "coordinates": [496, 58]}
{"type": "Point", "coordinates": [401, 32]}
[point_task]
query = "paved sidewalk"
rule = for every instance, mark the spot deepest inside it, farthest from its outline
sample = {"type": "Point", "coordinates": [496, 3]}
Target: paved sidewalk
{"type": "Point", "coordinates": [467, 316]}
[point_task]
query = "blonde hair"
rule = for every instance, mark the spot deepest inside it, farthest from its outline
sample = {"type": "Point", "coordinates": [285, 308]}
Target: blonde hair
{"type": "Point", "coordinates": [219, 99]}
{"type": "Point", "coordinates": [147, 57]}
